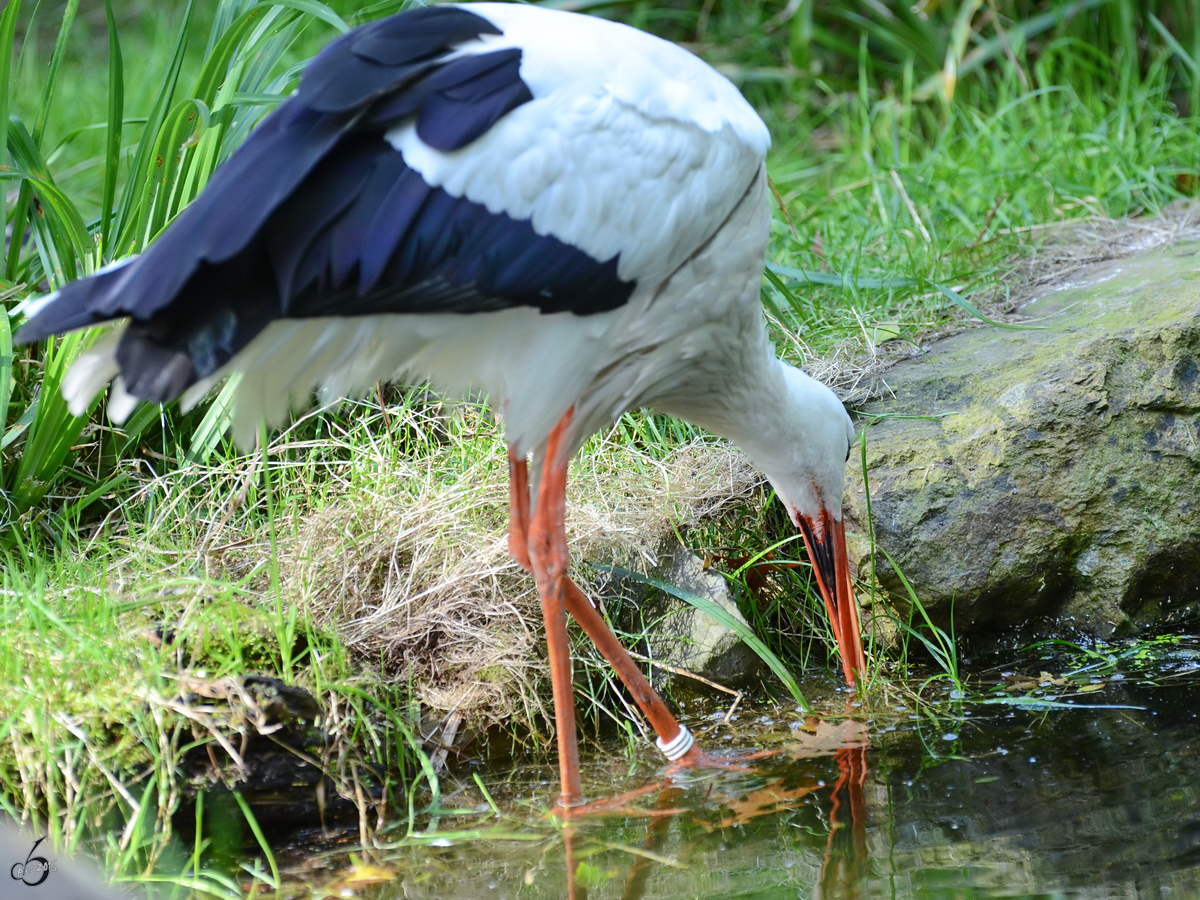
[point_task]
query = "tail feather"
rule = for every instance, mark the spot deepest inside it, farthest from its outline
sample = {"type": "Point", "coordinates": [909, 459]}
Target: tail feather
{"type": "Point", "coordinates": [120, 402]}
{"type": "Point", "coordinates": [92, 371]}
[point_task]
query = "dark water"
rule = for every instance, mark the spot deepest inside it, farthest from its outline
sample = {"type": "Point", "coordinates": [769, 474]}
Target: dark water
{"type": "Point", "coordinates": [1001, 795]}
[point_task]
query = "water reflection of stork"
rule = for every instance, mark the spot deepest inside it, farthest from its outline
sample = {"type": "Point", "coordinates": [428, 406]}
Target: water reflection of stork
{"type": "Point", "coordinates": [563, 211]}
{"type": "Point", "coordinates": [734, 803]}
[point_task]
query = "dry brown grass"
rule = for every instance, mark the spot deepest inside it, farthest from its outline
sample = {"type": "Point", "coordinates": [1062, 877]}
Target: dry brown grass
{"type": "Point", "coordinates": [1067, 248]}
{"type": "Point", "coordinates": [402, 550]}
{"type": "Point", "coordinates": [410, 563]}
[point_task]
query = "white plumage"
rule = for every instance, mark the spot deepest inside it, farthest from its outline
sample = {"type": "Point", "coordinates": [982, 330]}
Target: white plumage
{"type": "Point", "coordinates": [631, 144]}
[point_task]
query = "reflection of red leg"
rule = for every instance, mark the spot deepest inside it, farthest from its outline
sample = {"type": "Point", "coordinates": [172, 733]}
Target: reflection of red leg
{"type": "Point", "coordinates": [639, 873]}
{"type": "Point", "coordinates": [858, 799]}
{"type": "Point", "coordinates": [587, 616]}
{"type": "Point", "coordinates": [548, 556]}
{"type": "Point", "coordinates": [844, 867]}
{"type": "Point", "coordinates": [574, 891]}
{"type": "Point", "coordinates": [836, 797]}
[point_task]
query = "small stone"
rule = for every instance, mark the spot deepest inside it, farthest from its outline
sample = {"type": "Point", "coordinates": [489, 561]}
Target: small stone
{"type": "Point", "coordinates": [689, 639]}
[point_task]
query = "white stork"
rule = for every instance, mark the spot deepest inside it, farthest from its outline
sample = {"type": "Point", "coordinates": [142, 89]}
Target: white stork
{"type": "Point", "coordinates": [563, 211]}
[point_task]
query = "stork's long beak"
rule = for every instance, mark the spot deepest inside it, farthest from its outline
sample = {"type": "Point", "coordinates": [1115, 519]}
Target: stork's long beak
{"type": "Point", "coordinates": [825, 539]}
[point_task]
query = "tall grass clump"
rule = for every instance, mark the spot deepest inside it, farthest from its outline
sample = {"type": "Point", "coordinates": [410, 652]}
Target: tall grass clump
{"type": "Point", "coordinates": [148, 167]}
{"type": "Point", "coordinates": [100, 719]}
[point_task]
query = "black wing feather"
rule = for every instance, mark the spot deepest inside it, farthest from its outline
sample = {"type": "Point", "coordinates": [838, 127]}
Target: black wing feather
{"type": "Point", "coordinates": [470, 95]}
{"type": "Point", "coordinates": [380, 57]}
{"type": "Point", "coordinates": [236, 203]}
{"type": "Point", "coordinates": [296, 226]}
{"type": "Point", "coordinates": [317, 215]}
{"type": "Point", "coordinates": [398, 209]}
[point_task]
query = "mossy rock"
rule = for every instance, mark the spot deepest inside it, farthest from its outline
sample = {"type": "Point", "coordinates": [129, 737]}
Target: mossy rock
{"type": "Point", "coordinates": [1059, 471]}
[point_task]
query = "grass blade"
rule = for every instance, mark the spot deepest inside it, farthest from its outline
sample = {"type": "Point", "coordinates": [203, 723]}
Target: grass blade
{"type": "Point", "coordinates": [216, 67]}
{"type": "Point", "coordinates": [131, 210]}
{"type": "Point", "coordinates": [716, 611]}
{"type": "Point", "coordinates": [53, 430]}
{"type": "Point", "coordinates": [18, 427]}
{"type": "Point", "coordinates": [8, 33]}
{"type": "Point", "coordinates": [216, 420]}
{"type": "Point", "coordinates": [66, 225]}
{"type": "Point", "coordinates": [180, 128]}
{"type": "Point", "coordinates": [787, 295]}
{"type": "Point", "coordinates": [60, 49]}
{"type": "Point", "coordinates": [259, 836]}
{"type": "Point", "coordinates": [112, 146]}
{"type": "Point", "coordinates": [317, 11]}
{"type": "Point", "coordinates": [6, 375]}
{"type": "Point", "coordinates": [841, 280]}
{"type": "Point", "coordinates": [942, 646]}
{"type": "Point", "coordinates": [21, 210]}
{"type": "Point", "coordinates": [963, 303]}
{"type": "Point", "coordinates": [1176, 48]}
{"type": "Point", "coordinates": [1038, 703]}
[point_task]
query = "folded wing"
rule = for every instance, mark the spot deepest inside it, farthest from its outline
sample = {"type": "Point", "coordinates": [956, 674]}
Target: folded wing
{"type": "Point", "coordinates": [318, 215]}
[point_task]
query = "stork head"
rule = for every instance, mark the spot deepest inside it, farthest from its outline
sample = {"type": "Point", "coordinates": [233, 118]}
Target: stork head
{"type": "Point", "coordinates": [803, 450]}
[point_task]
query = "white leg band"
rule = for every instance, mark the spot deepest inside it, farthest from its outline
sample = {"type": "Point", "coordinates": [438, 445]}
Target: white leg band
{"type": "Point", "coordinates": [678, 746]}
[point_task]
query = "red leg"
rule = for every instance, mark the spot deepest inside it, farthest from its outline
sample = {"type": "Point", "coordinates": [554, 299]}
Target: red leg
{"type": "Point", "coordinates": [548, 556]}
{"type": "Point", "coordinates": [644, 696]}
{"type": "Point", "coordinates": [518, 510]}
{"type": "Point", "coordinates": [651, 705]}
{"type": "Point", "coordinates": [588, 617]}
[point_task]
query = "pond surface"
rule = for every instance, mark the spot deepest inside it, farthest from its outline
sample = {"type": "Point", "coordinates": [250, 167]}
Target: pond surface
{"type": "Point", "coordinates": [1012, 793]}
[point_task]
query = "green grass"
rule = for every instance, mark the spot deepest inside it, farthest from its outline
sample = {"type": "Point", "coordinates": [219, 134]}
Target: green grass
{"type": "Point", "coordinates": [917, 158]}
{"type": "Point", "coordinates": [95, 745]}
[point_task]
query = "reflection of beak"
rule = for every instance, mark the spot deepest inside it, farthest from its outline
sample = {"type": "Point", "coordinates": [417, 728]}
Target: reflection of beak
{"type": "Point", "coordinates": [825, 539]}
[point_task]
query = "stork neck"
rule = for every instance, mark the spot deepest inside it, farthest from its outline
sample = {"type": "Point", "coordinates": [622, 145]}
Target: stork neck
{"type": "Point", "coordinates": [795, 431]}
{"type": "Point", "coordinates": [756, 408]}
